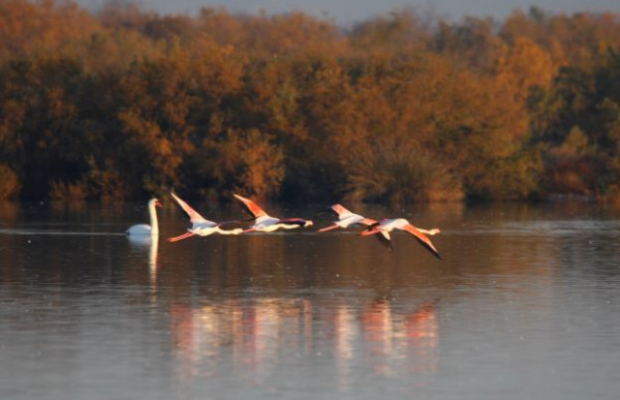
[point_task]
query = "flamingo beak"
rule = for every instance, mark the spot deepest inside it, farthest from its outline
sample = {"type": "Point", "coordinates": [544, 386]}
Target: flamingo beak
{"type": "Point", "coordinates": [158, 204]}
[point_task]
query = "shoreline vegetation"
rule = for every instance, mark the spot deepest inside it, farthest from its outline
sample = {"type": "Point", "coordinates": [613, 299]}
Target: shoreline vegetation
{"type": "Point", "coordinates": [125, 103]}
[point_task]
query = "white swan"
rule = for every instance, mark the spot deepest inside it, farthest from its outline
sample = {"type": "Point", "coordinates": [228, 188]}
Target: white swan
{"type": "Point", "coordinates": [144, 229]}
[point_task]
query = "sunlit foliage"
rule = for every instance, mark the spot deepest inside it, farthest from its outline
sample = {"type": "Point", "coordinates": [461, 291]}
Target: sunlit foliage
{"type": "Point", "coordinates": [9, 182]}
{"type": "Point", "coordinates": [125, 103]}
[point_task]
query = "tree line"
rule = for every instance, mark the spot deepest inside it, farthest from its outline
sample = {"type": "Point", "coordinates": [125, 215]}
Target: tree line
{"type": "Point", "coordinates": [123, 103]}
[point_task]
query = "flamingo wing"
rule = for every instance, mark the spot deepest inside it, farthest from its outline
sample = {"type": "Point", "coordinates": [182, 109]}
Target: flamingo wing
{"type": "Point", "coordinates": [385, 240]}
{"type": "Point", "coordinates": [340, 210]}
{"type": "Point", "coordinates": [194, 216]}
{"type": "Point", "coordinates": [382, 236]}
{"type": "Point", "coordinates": [372, 229]}
{"type": "Point", "coordinates": [422, 239]}
{"type": "Point", "coordinates": [251, 207]}
{"type": "Point", "coordinates": [344, 213]}
{"type": "Point", "coordinates": [367, 222]}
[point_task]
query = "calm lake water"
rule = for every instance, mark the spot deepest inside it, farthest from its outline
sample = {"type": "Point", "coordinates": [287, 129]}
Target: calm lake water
{"type": "Point", "coordinates": [525, 305]}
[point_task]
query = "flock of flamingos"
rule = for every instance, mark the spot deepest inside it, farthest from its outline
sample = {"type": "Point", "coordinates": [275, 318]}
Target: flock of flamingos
{"type": "Point", "coordinates": [263, 222]}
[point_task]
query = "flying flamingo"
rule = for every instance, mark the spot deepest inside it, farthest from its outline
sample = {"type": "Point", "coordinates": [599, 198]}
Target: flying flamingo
{"type": "Point", "coordinates": [144, 229]}
{"type": "Point", "coordinates": [384, 227]}
{"type": "Point", "coordinates": [200, 225]}
{"type": "Point", "coordinates": [265, 223]}
{"type": "Point", "coordinates": [346, 218]}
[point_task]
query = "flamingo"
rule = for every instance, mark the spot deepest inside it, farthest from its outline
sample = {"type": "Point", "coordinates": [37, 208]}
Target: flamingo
{"type": "Point", "coordinates": [384, 227]}
{"type": "Point", "coordinates": [266, 223]}
{"type": "Point", "coordinates": [346, 218]}
{"type": "Point", "coordinates": [200, 225]}
{"type": "Point", "coordinates": [144, 229]}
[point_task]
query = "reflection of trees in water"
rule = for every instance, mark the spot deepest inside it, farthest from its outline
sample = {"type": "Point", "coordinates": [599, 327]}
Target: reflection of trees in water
{"type": "Point", "coordinates": [230, 294]}
{"type": "Point", "coordinates": [260, 336]}
{"type": "Point", "coordinates": [8, 211]}
{"type": "Point", "coordinates": [401, 342]}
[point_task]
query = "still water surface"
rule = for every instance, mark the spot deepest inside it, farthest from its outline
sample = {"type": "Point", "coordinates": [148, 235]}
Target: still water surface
{"type": "Point", "coordinates": [525, 305]}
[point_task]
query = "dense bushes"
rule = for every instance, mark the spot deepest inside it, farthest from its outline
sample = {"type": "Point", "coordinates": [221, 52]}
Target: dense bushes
{"type": "Point", "coordinates": [126, 103]}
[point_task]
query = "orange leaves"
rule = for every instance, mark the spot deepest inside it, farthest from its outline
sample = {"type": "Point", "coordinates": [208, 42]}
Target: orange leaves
{"type": "Point", "coordinates": [526, 65]}
{"type": "Point", "coordinates": [265, 36]}
{"type": "Point", "coordinates": [46, 27]}
{"type": "Point", "coordinates": [218, 70]}
{"type": "Point", "coordinates": [9, 182]}
{"type": "Point", "coordinates": [400, 107]}
{"type": "Point", "coordinates": [242, 161]}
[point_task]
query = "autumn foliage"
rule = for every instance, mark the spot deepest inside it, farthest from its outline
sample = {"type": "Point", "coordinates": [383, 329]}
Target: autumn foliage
{"type": "Point", "coordinates": [124, 102]}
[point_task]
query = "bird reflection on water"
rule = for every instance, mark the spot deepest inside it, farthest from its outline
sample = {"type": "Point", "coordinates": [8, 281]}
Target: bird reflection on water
{"type": "Point", "coordinates": [261, 333]}
{"type": "Point", "coordinates": [309, 315]}
{"type": "Point", "coordinates": [142, 243]}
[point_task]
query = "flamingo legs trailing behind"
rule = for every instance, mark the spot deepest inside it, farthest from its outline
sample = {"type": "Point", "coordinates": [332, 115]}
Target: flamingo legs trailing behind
{"type": "Point", "coordinates": [200, 225]}
{"type": "Point", "coordinates": [266, 223]}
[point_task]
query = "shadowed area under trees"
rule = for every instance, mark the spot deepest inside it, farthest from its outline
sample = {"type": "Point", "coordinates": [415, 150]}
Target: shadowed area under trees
{"type": "Point", "coordinates": [122, 103]}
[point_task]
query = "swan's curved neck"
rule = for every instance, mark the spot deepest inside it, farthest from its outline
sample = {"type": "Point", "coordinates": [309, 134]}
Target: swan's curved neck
{"type": "Point", "coordinates": [154, 224]}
